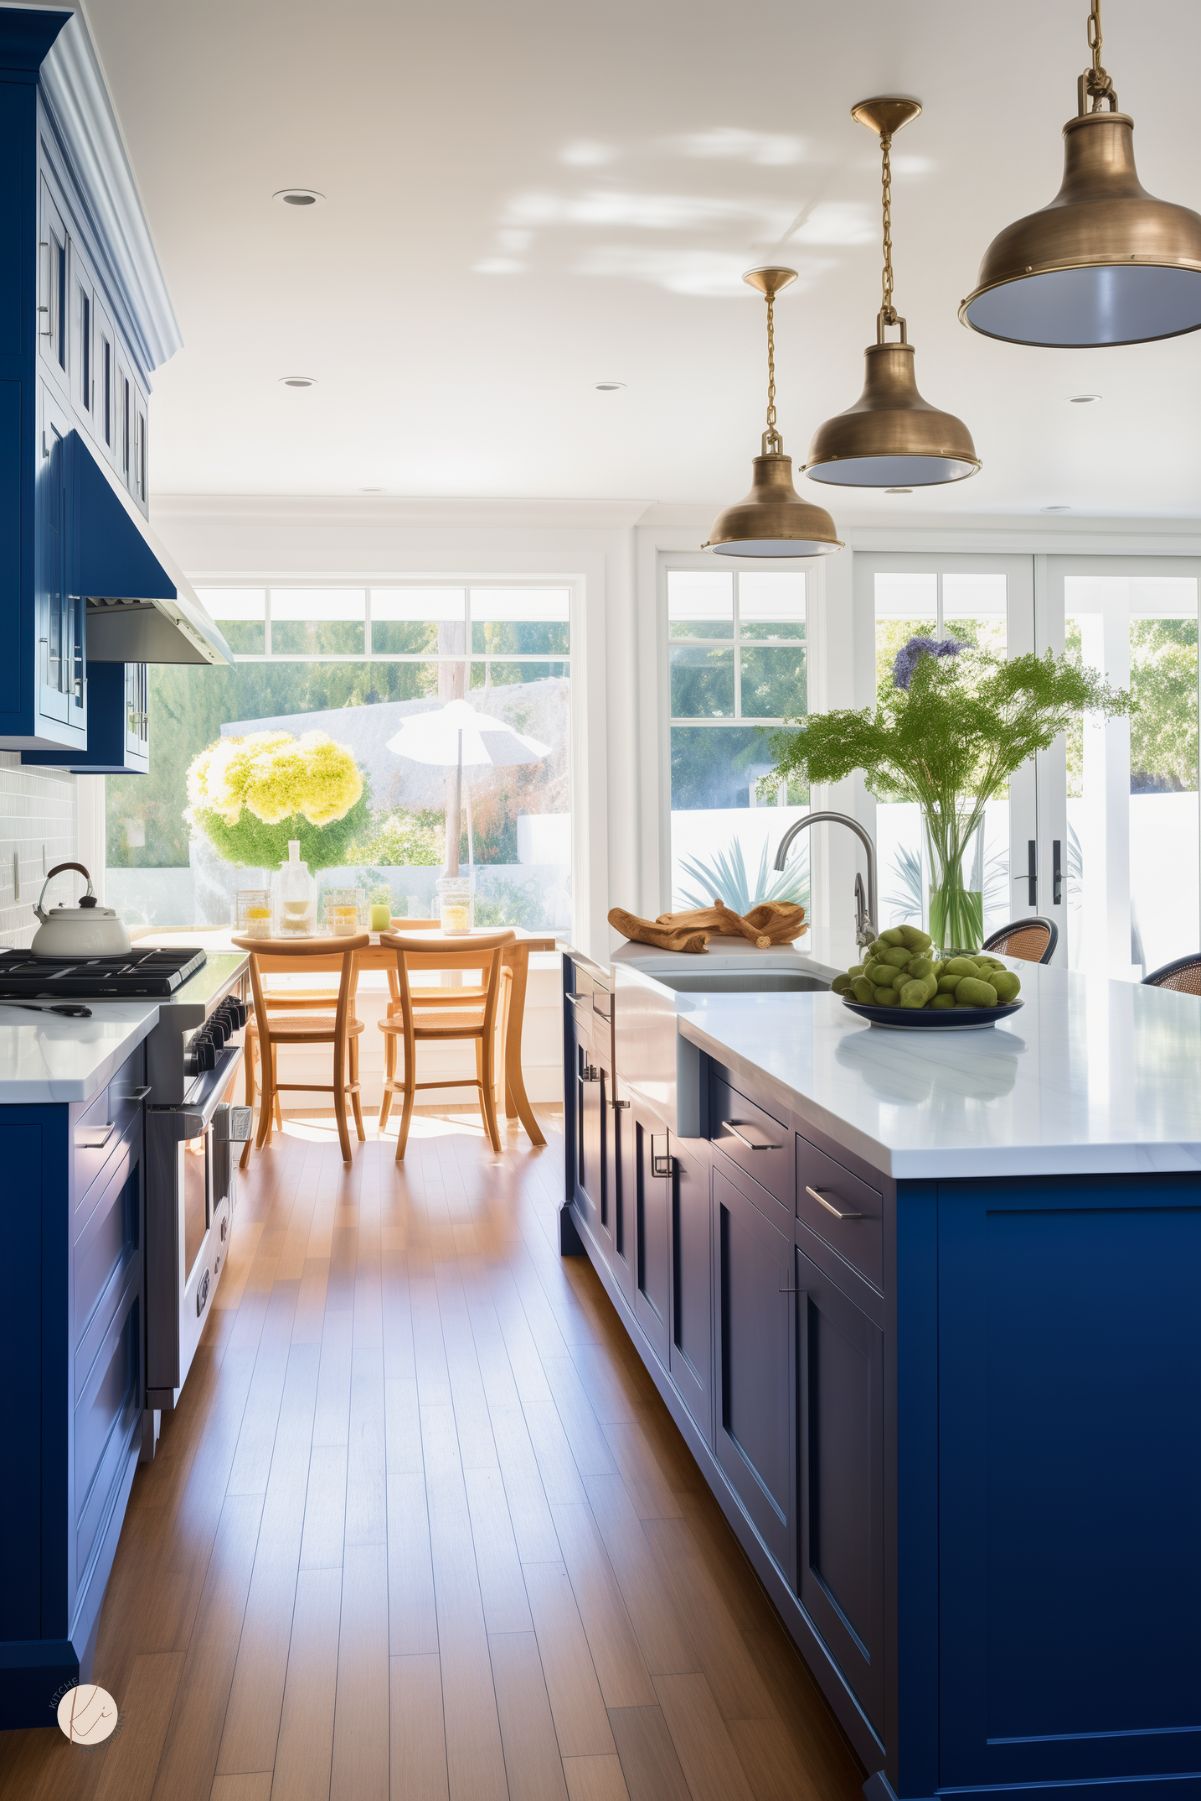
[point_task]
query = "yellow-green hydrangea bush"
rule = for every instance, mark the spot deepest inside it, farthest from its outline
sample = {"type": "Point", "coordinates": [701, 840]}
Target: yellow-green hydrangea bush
{"type": "Point", "coordinates": [250, 795]}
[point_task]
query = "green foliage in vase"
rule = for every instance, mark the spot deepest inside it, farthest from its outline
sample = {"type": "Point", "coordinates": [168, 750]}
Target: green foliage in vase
{"type": "Point", "coordinates": [952, 738]}
{"type": "Point", "coordinates": [725, 877]}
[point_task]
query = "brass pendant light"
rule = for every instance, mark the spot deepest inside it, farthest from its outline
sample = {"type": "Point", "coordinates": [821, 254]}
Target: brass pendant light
{"type": "Point", "coordinates": [773, 520]}
{"type": "Point", "coordinates": [1102, 263]}
{"type": "Point", "coordinates": [891, 437]}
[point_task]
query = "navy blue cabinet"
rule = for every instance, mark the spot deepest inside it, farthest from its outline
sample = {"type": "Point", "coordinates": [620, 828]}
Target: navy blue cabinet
{"type": "Point", "coordinates": [840, 1477]}
{"type": "Point", "coordinates": [1069, 1464]}
{"type": "Point", "coordinates": [755, 1365]}
{"type": "Point", "coordinates": [118, 726]}
{"type": "Point", "coordinates": [79, 335]}
{"type": "Point", "coordinates": [690, 1346]}
{"type": "Point", "coordinates": [71, 1346]}
{"type": "Point", "coordinates": [649, 1164]}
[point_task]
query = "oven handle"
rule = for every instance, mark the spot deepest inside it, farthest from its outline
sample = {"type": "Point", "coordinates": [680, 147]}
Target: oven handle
{"type": "Point", "coordinates": [190, 1121]}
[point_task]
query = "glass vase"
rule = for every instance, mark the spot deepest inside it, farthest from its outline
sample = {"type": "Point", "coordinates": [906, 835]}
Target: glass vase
{"type": "Point", "coordinates": [295, 896]}
{"type": "Point", "coordinates": [955, 884]}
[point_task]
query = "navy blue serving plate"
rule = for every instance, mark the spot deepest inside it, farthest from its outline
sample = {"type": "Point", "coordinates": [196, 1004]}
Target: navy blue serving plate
{"type": "Point", "coordinates": [925, 1019]}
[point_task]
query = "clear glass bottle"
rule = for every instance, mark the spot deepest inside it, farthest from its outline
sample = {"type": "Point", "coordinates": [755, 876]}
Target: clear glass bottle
{"type": "Point", "coordinates": [295, 896]}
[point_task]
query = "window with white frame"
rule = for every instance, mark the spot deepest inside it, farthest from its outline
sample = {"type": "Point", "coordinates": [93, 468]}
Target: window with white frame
{"type": "Point", "coordinates": [736, 672]}
{"type": "Point", "coordinates": [354, 662]}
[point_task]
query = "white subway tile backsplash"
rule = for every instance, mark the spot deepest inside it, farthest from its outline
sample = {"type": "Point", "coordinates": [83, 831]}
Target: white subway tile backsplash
{"type": "Point", "coordinates": [37, 809]}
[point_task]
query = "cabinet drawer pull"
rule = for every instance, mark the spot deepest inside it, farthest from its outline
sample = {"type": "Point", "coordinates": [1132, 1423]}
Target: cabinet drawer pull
{"type": "Point", "coordinates": [590, 1073]}
{"type": "Point", "coordinates": [99, 1139]}
{"type": "Point", "coordinates": [605, 1016]}
{"type": "Point", "coordinates": [662, 1162]}
{"type": "Point", "coordinates": [838, 1212]}
{"type": "Point", "coordinates": [577, 1000]}
{"type": "Point", "coordinates": [728, 1125]}
{"type": "Point", "coordinates": [136, 1096]}
{"type": "Point", "coordinates": [618, 1106]}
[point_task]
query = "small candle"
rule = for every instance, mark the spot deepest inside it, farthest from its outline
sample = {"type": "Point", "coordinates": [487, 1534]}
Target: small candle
{"type": "Point", "coordinates": [381, 916]}
{"type": "Point", "coordinates": [456, 916]}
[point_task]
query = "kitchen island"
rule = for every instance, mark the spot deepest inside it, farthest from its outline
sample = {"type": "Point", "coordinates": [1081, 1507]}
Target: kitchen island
{"type": "Point", "coordinates": [925, 1308]}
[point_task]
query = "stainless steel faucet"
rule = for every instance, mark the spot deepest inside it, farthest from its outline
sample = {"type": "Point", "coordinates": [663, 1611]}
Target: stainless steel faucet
{"type": "Point", "coordinates": [865, 904]}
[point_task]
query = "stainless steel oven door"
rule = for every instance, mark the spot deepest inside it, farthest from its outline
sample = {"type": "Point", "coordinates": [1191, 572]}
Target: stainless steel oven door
{"type": "Point", "coordinates": [189, 1210]}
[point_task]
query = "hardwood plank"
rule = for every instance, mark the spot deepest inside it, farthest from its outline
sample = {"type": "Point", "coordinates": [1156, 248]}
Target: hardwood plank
{"type": "Point", "coordinates": [527, 1729]}
{"type": "Point", "coordinates": [304, 1753]}
{"type": "Point", "coordinates": [575, 1695]}
{"type": "Point", "coordinates": [256, 1695]}
{"type": "Point", "coordinates": [704, 1747]}
{"type": "Point", "coordinates": [325, 1509]}
{"type": "Point", "coordinates": [595, 1779]}
{"type": "Point", "coordinates": [529, 1512]}
{"type": "Point", "coordinates": [418, 1737]}
{"type": "Point", "coordinates": [497, 1564]}
{"type": "Point", "coordinates": [412, 1613]}
{"type": "Point", "coordinates": [556, 1465]}
{"type": "Point", "coordinates": [131, 1756]}
{"type": "Point", "coordinates": [189, 1759]}
{"type": "Point", "coordinates": [658, 1626]}
{"type": "Point", "coordinates": [366, 1497]}
{"type": "Point", "coordinates": [620, 1667]}
{"type": "Point", "coordinates": [777, 1770]}
{"type": "Point", "coordinates": [648, 1758]}
{"type": "Point", "coordinates": [724, 1658]}
{"type": "Point", "coordinates": [361, 1747]}
{"type": "Point", "coordinates": [255, 1787]}
{"type": "Point", "coordinates": [817, 1739]}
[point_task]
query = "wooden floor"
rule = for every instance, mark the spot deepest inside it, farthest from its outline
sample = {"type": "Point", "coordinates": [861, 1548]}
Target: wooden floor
{"type": "Point", "coordinates": [422, 1528]}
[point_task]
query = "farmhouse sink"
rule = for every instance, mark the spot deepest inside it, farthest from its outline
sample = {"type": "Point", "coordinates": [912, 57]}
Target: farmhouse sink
{"type": "Point", "coordinates": [651, 1059]}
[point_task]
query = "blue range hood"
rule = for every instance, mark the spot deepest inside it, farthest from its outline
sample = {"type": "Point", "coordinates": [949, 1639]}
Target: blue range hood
{"type": "Point", "coordinates": [140, 607]}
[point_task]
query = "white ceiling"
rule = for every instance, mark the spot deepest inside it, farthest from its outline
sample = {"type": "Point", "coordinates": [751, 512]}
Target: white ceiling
{"type": "Point", "coordinates": [526, 199]}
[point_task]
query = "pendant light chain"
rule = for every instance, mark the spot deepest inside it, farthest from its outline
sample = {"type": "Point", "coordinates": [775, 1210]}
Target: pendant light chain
{"type": "Point", "coordinates": [888, 312]}
{"type": "Point", "coordinates": [773, 444]}
{"type": "Point", "coordinates": [1098, 83]}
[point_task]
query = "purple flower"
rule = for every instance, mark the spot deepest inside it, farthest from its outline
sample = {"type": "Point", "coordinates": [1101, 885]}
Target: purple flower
{"type": "Point", "coordinates": [909, 656]}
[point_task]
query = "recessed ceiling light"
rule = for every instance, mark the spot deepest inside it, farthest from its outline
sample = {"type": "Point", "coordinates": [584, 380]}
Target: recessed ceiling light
{"type": "Point", "coordinates": [609, 387]}
{"type": "Point", "coordinates": [1082, 399]}
{"type": "Point", "coordinates": [1057, 509]}
{"type": "Point", "coordinates": [298, 381]}
{"type": "Point", "coordinates": [898, 490]}
{"type": "Point", "coordinates": [297, 196]}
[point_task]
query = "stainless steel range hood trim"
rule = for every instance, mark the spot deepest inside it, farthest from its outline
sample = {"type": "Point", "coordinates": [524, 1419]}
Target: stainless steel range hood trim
{"type": "Point", "coordinates": [141, 608]}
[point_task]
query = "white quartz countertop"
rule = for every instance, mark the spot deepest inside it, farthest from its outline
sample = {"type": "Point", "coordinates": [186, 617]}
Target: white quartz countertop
{"type": "Point", "coordinates": [1090, 1077]}
{"type": "Point", "coordinates": [45, 1058]}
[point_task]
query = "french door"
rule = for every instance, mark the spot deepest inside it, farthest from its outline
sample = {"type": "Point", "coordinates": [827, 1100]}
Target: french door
{"type": "Point", "coordinates": [1102, 833]}
{"type": "Point", "coordinates": [987, 601]}
{"type": "Point", "coordinates": [1119, 800]}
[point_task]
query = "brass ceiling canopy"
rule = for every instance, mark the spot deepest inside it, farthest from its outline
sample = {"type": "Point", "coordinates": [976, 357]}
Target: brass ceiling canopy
{"type": "Point", "coordinates": [891, 437]}
{"type": "Point", "coordinates": [1104, 262]}
{"type": "Point", "coordinates": [773, 520]}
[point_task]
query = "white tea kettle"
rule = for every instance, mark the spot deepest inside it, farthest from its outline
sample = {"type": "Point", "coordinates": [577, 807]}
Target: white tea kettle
{"type": "Point", "coordinates": [88, 930]}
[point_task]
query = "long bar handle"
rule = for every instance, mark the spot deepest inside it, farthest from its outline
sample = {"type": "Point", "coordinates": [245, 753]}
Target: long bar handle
{"type": "Point", "coordinates": [838, 1212]}
{"type": "Point", "coordinates": [729, 1125]}
{"type": "Point", "coordinates": [1032, 872]}
{"type": "Point", "coordinates": [1056, 872]}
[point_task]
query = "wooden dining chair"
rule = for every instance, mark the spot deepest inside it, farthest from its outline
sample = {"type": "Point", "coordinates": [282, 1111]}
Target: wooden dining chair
{"type": "Point", "coordinates": [427, 995]}
{"type": "Point", "coordinates": [278, 1021]}
{"type": "Point", "coordinates": [1184, 974]}
{"type": "Point", "coordinates": [1031, 940]}
{"type": "Point", "coordinates": [470, 1016]}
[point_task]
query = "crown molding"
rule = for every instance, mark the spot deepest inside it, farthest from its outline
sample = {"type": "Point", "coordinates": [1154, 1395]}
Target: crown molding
{"type": "Point", "coordinates": [77, 98]}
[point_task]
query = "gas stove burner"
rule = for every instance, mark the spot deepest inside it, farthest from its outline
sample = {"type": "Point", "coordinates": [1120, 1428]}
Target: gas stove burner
{"type": "Point", "coordinates": [137, 974]}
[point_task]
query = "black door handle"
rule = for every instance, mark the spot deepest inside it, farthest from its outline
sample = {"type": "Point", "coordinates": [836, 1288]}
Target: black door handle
{"type": "Point", "coordinates": [1056, 872]}
{"type": "Point", "coordinates": [1032, 872]}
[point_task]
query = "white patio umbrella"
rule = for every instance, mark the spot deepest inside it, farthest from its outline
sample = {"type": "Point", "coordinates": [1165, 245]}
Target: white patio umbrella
{"type": "Point", "coordinates": [458, 737]}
